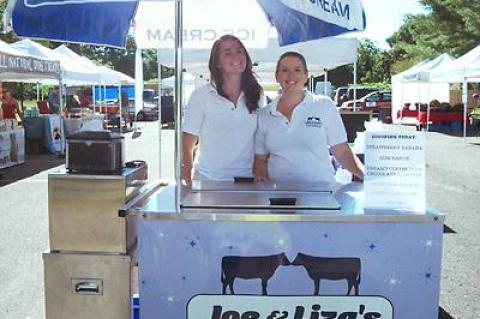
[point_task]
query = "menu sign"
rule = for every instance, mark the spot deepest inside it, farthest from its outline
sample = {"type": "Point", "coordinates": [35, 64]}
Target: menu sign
{"type": "Point", "coordinates": [395, 170]}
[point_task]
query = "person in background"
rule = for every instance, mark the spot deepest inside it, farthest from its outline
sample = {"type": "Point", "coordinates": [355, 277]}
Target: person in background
{"type": "Point", "coordinates": [475, 113]}
{"type": "Point", "coordinates": [85, 98]}
{"type": "Point", "coordinates": [125, 110]}
{"type": "Point", "coordinates": [54, 101]}
{"type": "Point", "coordinates": [10, 107]}
{"type": "Point", "coordinates": [221, 116]}
{"type": "Point", "coordinates": [296, 131]}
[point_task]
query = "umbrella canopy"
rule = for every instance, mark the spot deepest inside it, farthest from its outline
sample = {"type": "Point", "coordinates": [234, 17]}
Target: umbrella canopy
{"type": "Point", "coordinates": [106, 22]}
{"type": "Point", "coordinates": [87, 21]}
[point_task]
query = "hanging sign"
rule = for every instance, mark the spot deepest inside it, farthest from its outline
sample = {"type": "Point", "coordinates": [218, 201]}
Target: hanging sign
{"type": "Point", "coordinates": [24, 64]}
{"type": "Point", "coordinates": [204, 21]}
{"type": "Point", "coordinates": [395, 170]}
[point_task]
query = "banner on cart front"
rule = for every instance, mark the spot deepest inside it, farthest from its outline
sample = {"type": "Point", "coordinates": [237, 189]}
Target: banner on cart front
{"type": "Point", "coordinates": [288, 307]}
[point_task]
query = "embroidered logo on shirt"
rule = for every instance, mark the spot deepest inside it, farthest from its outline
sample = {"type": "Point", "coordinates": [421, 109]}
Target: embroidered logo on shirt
{"type": "Point", "coordinates": [313, 121]}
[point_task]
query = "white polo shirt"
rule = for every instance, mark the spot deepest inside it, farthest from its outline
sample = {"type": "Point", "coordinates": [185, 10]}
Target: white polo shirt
{"type": "Point", "coordinates": [226, 134]}
{"type": "Point", "coordinates": [299, 149]}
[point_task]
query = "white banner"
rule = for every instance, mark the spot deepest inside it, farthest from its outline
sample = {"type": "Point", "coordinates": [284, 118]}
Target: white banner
{"type": "Point", "coordinates": [204, 21]}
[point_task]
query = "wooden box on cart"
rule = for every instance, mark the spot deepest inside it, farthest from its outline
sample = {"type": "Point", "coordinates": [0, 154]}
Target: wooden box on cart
{"type": "Point", "coordinates": [83, 211]}
{"type": "Point", "coordinates": [81, 286]}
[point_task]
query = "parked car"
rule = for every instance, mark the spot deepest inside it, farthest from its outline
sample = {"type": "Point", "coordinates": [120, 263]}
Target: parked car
{"type": "Point", "coordinates": [345, 93]}
{"type": "Point", "coordinates": [361, 91]}
{"type": "Point", "coordinates": [380, 103]}
{"type": "Point", "coordinates": [149, 110]}
{"type": "Point", "coordinates": [341, 95]}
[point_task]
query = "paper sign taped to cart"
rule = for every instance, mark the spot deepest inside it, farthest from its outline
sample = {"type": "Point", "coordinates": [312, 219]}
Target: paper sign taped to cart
{"type": "Point", "coordinates": [395, 170]}
{"type": "Point", "coordinates": [288, 307]}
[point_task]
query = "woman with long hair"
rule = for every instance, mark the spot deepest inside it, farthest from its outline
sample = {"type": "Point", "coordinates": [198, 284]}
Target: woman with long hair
{"type": "Point", "coordinates": [221, 116]}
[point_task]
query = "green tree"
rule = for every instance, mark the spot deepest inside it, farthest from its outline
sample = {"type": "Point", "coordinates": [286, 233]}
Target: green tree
{"type": "Point", "coordinates": [449, 26]}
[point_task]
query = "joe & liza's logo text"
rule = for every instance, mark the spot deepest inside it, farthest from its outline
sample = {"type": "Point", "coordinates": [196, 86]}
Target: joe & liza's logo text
{"type": "Point", "coordinates": [299, 312]}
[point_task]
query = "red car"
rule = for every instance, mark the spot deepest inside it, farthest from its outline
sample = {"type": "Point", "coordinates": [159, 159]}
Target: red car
{"type": "Point", "coordinates": [378, 102]}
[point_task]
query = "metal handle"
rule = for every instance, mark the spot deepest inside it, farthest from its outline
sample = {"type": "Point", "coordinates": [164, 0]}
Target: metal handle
{"type": "Point", "coordinates": [87, 286]}
{"type": "Point", "coordinates": [140, 198]}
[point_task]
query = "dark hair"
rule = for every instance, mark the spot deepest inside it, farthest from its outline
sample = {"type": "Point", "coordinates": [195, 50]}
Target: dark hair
{"type": "Point", "coordinates": [249, 84]}
{"type": "Point", "coordinates": [292, 54]}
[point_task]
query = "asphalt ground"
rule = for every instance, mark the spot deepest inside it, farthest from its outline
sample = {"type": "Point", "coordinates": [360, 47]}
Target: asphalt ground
{"type": "Point", "coordinates": [453, 175]}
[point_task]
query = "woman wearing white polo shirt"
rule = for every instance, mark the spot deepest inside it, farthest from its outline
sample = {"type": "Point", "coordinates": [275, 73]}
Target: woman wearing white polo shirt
{"type": "Point", "coordinates": [296, 130]}
{"type": "Point", "coordinates": [222, 116]}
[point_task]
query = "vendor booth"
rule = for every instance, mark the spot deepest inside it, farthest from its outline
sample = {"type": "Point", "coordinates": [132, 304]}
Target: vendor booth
{"type": "Point", "coordinates": [240, 249]}
{"type": "Point", "coordinates": [463, 70]}
{"type": "Point", "coordinates": [17, 66]}
{"type": "Point", "coordinates": [414, 86]}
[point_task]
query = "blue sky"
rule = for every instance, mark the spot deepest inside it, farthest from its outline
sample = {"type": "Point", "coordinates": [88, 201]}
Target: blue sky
{"type": "Point", "coordinates": [384, 17]}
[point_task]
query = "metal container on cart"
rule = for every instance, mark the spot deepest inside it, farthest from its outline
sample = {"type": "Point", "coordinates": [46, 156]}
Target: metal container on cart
{"type": "Point", "coordinates": [80, 286]}
{"type": "Point", "coordinates": [83, 211]}
{"type": "Point", "coordinates": [236, 253]}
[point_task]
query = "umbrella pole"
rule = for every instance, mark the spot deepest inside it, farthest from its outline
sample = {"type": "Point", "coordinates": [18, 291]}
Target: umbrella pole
{"type": "Point", "coordinates": [159, 106]}
{"type": "Point", "coordinates": [354, 86]}
{"type": "Point", "coordinates": [178, 102]}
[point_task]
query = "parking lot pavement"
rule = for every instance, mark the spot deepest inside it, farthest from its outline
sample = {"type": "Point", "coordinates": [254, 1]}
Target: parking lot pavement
{"type": "Point", "coordinates": [452, 188]}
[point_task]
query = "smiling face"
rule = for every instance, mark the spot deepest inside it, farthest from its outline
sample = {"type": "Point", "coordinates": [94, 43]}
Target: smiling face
{"type": "Point", "coordinates": [291, 73]}
{"type": "Point", "coordinates": [232, 57]}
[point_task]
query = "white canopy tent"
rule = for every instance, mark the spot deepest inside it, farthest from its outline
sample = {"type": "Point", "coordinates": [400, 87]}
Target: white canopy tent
{"type": "Point", "coordinates": [190, 82]}
{"type": "Point", "coordinates": [72, 73]}
{"type": "Point", "coordinates": [107, 75]}
{"type": "Point", "coordinates": [17, 66]}
{"type": "Point", "coordinates": [463, 70]}
{"type": "Point", "coordinates": [413, 85]}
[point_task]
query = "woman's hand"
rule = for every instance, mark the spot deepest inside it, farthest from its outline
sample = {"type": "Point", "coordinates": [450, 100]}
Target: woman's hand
{"type": "Point", "coordinates": [348, 160]}
{"type": "Point", "coordinates": [260, 168]}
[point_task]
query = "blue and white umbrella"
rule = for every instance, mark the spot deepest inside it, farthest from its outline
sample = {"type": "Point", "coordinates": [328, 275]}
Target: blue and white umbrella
{"type": "Point", "coordinates": [106, 22]}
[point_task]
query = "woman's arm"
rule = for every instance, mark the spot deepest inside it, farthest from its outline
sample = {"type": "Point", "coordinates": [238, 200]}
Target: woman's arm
{"type": "Point", "coordinates": [347, 159]}
{"type": "Point", "coordinates": [260, 168]}
{"type": "Point", "coordinates": [189, 141]}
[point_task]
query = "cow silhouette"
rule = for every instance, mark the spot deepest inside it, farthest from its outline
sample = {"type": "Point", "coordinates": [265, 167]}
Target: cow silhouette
{"type": "Point", "coordinates": [250, 267]}
{"type": "Point", "coordinates": [330, 268]}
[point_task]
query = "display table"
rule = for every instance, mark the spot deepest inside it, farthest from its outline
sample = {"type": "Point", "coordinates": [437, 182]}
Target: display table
{"type": "Point", "coordinates": [225, 262]}
{"type": "Point", "coordinates": [434, 118]}
{"type": "Point", "coordinates": [48, 131]}
{"type": "Point", "coordinates": [12, 146]}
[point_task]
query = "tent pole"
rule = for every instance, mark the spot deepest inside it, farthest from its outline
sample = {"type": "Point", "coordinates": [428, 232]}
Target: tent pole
{"type": "Point", "coordinates": [159, 102]}
{"type": "Point", "coordinates": [325, 80]}
{"type": "Point", "coordinates": [38, 91]}
{"type": "Point", "coordinates": [465, 106]}
{"type": "Point", "coordinates": [354, 86]}
{"type": "Point", "coordinates": [178, 101]}
{"type": "Point", "coordinates": [120, 108]}
{"type": "Point", "coordinates": [93, 98]}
